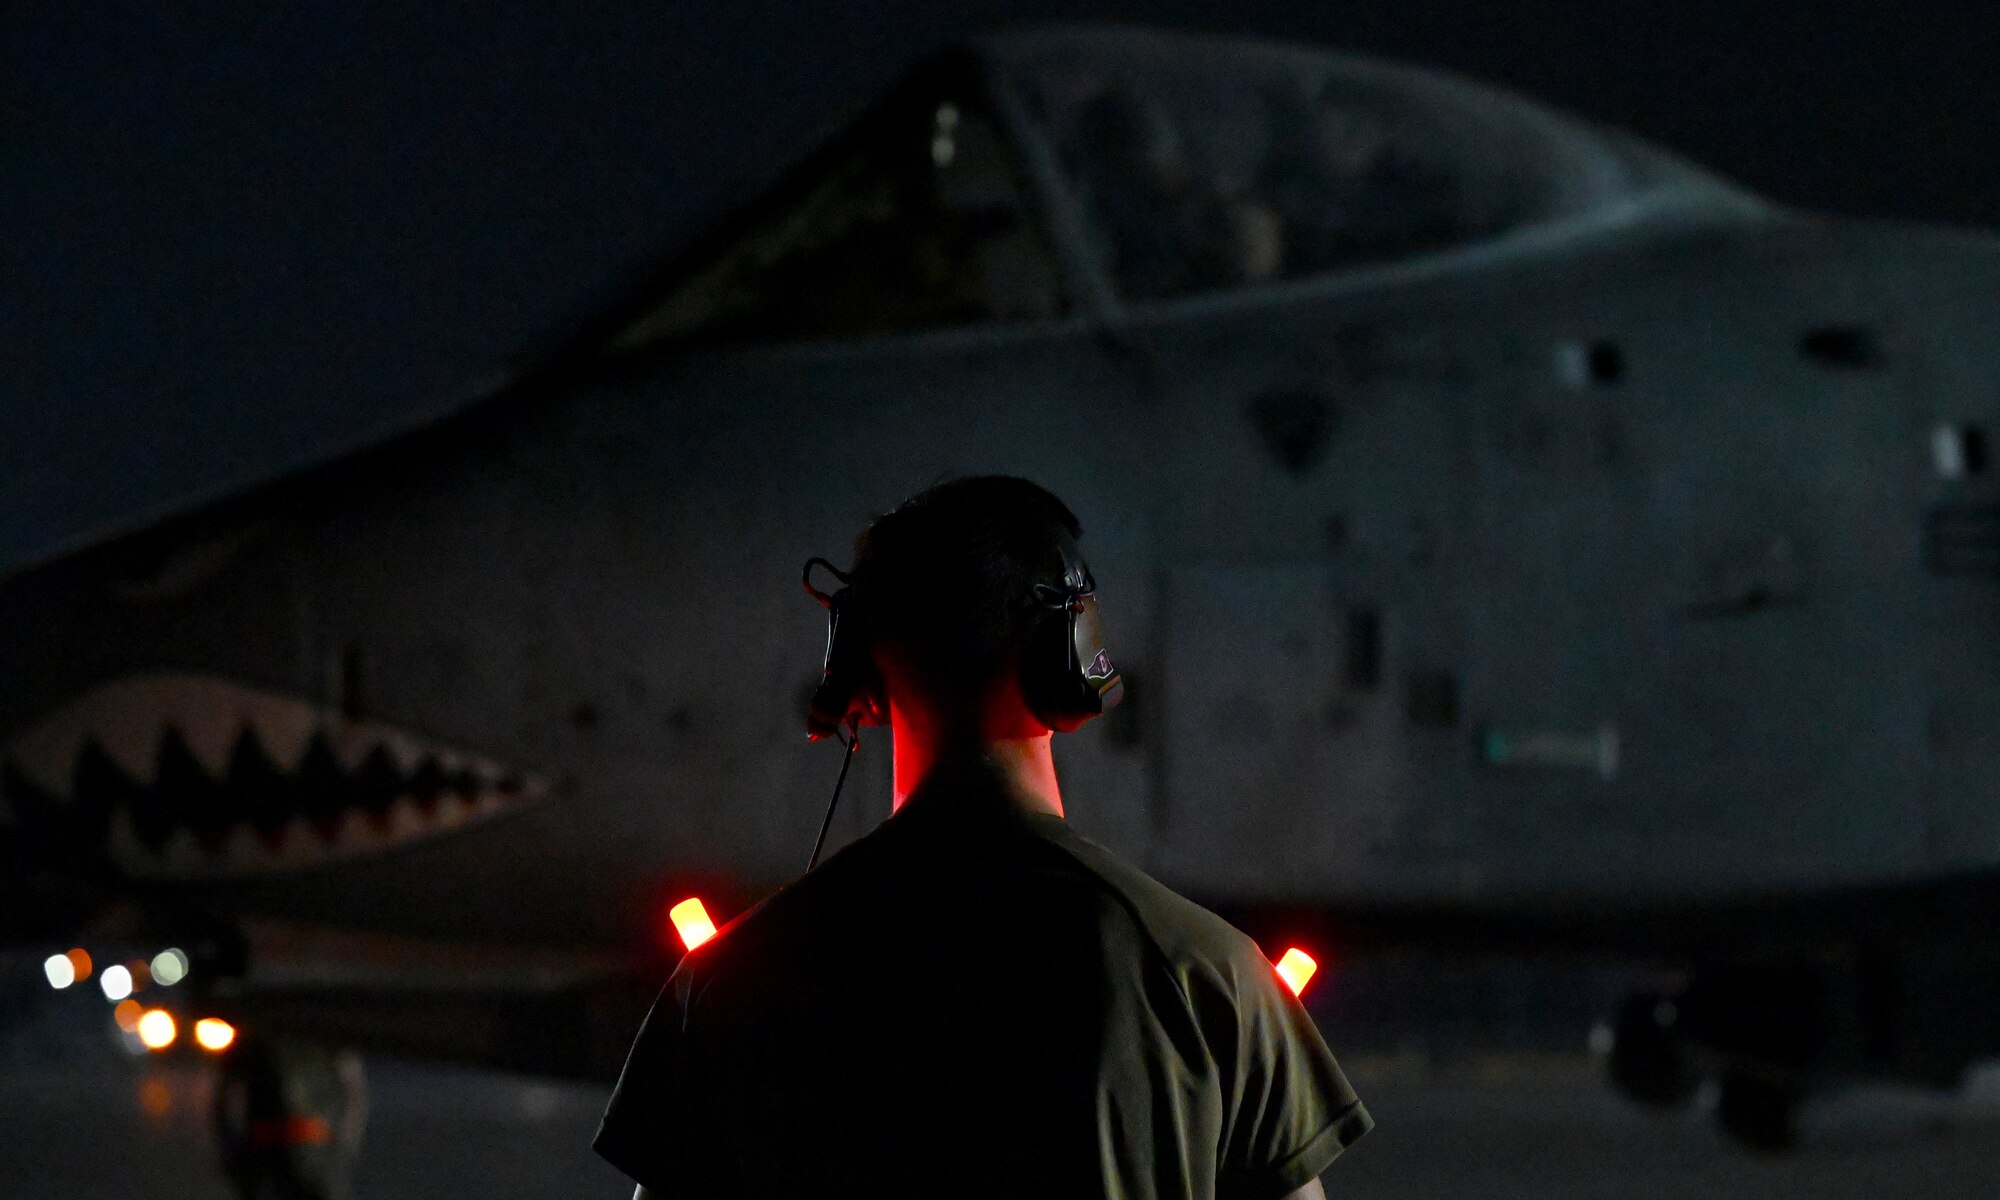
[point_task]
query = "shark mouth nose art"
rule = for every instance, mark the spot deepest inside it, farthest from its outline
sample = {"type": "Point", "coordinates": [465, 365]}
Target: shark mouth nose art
{"type": "Point", "coordinates": [177, 776]}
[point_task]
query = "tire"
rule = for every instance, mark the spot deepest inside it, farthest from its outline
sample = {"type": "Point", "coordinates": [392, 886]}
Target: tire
{"type": "Point", "coordinates": [1760, 1113]}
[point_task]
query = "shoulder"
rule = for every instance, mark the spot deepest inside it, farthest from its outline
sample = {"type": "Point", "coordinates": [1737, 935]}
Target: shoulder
{"type": "Point", "coordinates": [1190, 937]}
{"type": "Point", "coordinates": [795, 912]}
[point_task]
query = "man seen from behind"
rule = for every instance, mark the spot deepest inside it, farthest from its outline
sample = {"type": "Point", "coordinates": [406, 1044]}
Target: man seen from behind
{"type": "Point", "coordinates": [974, 1000]}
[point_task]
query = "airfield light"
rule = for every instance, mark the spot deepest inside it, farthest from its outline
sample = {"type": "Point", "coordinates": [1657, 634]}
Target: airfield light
{"type": "Point", "coordinates": [1296, 969]}
{"type": "Point", "coordinates": [127, 1014]}
{"type": "Point", "coordinates": [116, 982]}
{"type": "Point", "coordinates": [214, 1034]}
{"type": "Point", "coordinates": [61, 974]}
{"type": "Point", "coordinates": [691, 922]}
{"type": "Point", "coordinates": [169, 967]}
{"type": "Point", "coordinates": [157, 1029]}
{"type": "Point", "coordinates": [1603, 1039]}
{"type": "Point", "coordinates": [79, 961]}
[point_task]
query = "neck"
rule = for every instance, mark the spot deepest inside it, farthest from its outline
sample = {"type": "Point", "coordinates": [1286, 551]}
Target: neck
{"type": "Point", "coordinates": [1019, 759]}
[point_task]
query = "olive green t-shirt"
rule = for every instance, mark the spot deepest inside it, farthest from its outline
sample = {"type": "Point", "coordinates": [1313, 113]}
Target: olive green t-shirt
{"type": "Point", "coordinates": [977, 1001]}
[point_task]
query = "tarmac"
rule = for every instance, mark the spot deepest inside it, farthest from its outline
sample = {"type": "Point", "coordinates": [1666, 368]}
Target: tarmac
{"type": "Point", "coordinates": [1540, 1126]}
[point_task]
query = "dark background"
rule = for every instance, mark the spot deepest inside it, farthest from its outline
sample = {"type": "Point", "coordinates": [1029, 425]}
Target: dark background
{"type": "Point", "coordinates": [238, 235]}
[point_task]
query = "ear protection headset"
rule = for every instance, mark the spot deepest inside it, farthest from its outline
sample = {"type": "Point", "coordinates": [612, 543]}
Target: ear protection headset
{"type": "Point", "coordinates": [1066, 673]}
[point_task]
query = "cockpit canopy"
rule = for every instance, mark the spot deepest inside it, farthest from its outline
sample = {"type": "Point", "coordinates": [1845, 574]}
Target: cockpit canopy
{"type": "Point", "coordinates": [1181, 166]}
{"type": "Point", "coordinates": [1202, 164]}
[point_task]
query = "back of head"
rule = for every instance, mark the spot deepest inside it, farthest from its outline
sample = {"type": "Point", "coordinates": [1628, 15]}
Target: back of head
{"type": "Point", "coordinates": [948, 577]}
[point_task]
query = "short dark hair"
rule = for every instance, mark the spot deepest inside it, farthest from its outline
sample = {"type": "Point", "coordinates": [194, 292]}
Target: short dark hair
{"type": "Point", "coordinates": [946, 579]}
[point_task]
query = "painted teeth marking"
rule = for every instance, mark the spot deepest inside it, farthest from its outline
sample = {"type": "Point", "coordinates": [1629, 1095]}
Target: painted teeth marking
{"type": "Point", "coordinates": [235, 780]}
{"type": "Point", "coordinates": [125, 725]}
{"type": "Point", "coordinates": [354, 743]}
{"type": "Point", "coordinates": [205, 734]}
{"type": "Point", "coordinates": [127, 719]}
{"type": "Point", "coordinates": [282, 728]}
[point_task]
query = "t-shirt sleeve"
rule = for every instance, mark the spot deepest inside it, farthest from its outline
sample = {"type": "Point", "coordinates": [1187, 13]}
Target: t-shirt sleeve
{"type": "Point", "coordinates": [1292, 1111]}
{"type": "Point", "coordinates": [658, 1127]}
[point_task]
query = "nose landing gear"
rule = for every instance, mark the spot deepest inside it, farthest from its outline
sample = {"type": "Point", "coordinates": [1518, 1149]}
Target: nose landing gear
{"type": "Point", "coordinates": [1648, 1062]}
{"type": "Point", "coordinates": [288, 1119]}
{"type": "Point", "coordinates": [1659, 1045]}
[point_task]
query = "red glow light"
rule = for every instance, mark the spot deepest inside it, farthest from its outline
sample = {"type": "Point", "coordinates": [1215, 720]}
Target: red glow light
{"type": "Point", "coordinates": [293, 1129]}
{"type": "Point", "coordinates": [691, 922]}
{"type": "Point", "coordinates": [1296, 968]}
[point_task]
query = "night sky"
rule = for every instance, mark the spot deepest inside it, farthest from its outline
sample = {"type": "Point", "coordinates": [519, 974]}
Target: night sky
{"type": "Point", "coordinates": [240, 235]}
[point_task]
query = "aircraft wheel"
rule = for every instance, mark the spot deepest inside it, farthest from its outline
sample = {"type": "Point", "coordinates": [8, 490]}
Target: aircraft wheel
{"type": "Point", "coordinates": [288, 1119]}
{"type": "Point", "coordinates": [1759, 1112]}
{"type": "Point", "coordinates": [1648, 1063]}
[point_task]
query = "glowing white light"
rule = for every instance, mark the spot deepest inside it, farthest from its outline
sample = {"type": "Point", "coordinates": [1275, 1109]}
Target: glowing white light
{"type": "Point", "coordinates": [60, 970]}
{"type": "Point", "coordinates": [116, 982]}
{"type": "Point", "coordinates": [157, 1029]}
{"type": "Point", "coordinates": [1949, 446]}
{"type": "Point", "coordinates": [1603, 1040]}
{"type": "Point", "coordinates": [169, 967]}
{"type": "Point", "coordinates": [943, 146]}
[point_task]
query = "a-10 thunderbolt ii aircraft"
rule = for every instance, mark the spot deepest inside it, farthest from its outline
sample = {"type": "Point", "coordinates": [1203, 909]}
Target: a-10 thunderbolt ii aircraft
{"type": "Point", "coordinates": [1511, 533]}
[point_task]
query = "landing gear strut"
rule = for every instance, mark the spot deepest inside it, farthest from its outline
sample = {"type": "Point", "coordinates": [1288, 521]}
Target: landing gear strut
{"type": "Point", "coordinates": [1648, 1063]}
{"type": "Point", "coordinates": [288, 1119]}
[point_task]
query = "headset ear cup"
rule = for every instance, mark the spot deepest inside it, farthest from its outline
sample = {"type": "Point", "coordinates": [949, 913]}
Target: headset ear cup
{"type": "Point", "coordinates": [1066, 674]}
{"type": "Point", "coordinates": [1048, 678]}
{"type": "Point", "coordinates": [848, 686]}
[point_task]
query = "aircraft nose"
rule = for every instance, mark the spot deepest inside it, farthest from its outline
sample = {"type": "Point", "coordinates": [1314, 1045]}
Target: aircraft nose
{"type": "Point", "coordinates": [180, 776]}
